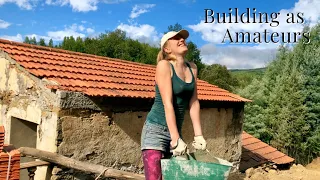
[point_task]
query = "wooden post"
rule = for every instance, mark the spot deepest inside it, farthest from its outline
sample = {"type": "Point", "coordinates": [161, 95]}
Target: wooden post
{"type": "Point", "coordinates": [78, 165]}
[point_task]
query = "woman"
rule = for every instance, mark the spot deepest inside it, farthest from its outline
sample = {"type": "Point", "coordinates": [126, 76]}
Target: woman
{"type": "Point", "coordinates": [176, 91]}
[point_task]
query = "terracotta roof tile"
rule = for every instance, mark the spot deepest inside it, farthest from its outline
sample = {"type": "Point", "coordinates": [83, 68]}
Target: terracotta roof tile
{"type": "Point", "coordinates": [255, 152]}
{"type": "Point", "coordinates": [12, 154]}
{"type": "Point", "coordinates": [97, 75]}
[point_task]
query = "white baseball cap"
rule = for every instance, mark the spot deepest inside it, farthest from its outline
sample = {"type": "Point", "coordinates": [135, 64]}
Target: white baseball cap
{"type": "Point", "coordinates": [184, 33]}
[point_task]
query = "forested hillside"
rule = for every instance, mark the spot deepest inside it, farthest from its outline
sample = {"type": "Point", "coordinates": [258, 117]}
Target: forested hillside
{"type": "Point", "coordinates": [246, 76]}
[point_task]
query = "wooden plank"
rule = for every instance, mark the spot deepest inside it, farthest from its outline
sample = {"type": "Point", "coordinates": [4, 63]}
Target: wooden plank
{"type": "Point", "coordinates": [78, 165]}
{"type": "Point", "coordinates": [33, 164]}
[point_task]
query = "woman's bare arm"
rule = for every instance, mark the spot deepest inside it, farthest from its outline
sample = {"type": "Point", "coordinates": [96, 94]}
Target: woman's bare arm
{"type": "Point", "coordinates": [194, 105]}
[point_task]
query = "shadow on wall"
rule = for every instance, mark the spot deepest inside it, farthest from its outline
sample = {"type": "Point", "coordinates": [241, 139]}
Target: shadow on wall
{"type": "Point", "coordinates": [131, 123]}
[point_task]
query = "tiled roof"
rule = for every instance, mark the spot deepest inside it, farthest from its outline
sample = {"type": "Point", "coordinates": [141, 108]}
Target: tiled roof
{"type": "Point", "coordinates": [97, 75]}
{"type": "Point", "coordinates": [255, 152]}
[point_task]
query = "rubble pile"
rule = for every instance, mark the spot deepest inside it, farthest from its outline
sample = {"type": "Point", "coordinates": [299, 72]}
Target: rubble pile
{"type": "Point", "coordinates": [295, 172]}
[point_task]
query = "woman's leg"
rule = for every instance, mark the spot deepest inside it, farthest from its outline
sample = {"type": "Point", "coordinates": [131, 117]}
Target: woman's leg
{"type": "Point", "coordinates": [152, 164]}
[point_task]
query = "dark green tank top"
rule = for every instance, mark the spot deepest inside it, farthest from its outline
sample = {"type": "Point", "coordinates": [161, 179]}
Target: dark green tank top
{"type": "Point", "coordinates": [181, 95]}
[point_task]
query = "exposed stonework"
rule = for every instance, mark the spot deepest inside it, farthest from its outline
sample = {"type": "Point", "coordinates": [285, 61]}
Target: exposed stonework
{"type": "Point", "coordinates": [75, 100]}
{"type": "Point", "coordinates": [24, 97]}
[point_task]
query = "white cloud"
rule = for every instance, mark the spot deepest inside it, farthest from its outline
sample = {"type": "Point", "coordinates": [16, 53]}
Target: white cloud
{"type": "Point", "coordinates": [90, 30]}
{"type": "Point", "coordinates": [137, 10]}
{"type": "Point", "coordinates": [81, 28]}
{"type": "Point", "coordinates": [68, 31]}
{"type": "Point", "coordinates": [310, 8]}
{"type": "Point", "coordinates": [4, 24]}
{"type": "Point", "coordinates": [23, 4]}
{"type": "Point", "coordinates": [82, 5]}
{"type": "Point", "coordinates": [237, 57]}
{"type": "Point", "coordinates": [144, 33]}
{"type": "Point", "coordinates": [17, 38]}
{"type": "Point", "coordinates": [74, 30]}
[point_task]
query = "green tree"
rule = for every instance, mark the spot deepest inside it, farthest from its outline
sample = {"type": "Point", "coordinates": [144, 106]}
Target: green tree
{"type": "Point", "coordinates": [219, 75]}
{"type": "Point", "coordinates": [79, 45]}
{"type": "Point", "coordinates": [50, 43]}
{"type": "Point", "coordinates": [42, 42]}
{"type": "Point", "coordinates": [33, 41]}
{"type": "Point", "coordinates": [111, 44]}
{"type": "Point", "coordinates": [114, 44]}
{"type": "Point", "coordinates": [310, 60]}
{"type": "Point", "coordinates": [26, 40]}
{"type": "Point", "coordinates": [194, 55]}
{"type": "Point", "coordinates": [175, 27]}
{"type": "Point", "coordinates": [150, 54]}
{"type": "Point", "coordinates": [91, 46]}
{"type": "Point", "coordinates": [133, 51]}
{"type": "Point", "coordinates": [246, 76]}
{"type": "Point", "coordinates": [71, 44]}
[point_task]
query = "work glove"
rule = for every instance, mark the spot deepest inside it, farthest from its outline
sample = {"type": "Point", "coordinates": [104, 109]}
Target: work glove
{"type": "Point", "coordinates": [199, 143]}
{"type": "Point", "coordinates": [180, 148]}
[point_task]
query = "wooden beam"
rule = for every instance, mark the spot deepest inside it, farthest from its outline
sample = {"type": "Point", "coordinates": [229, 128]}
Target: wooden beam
{"type": "Point", "coordinates": [33, 164]}
{"type": "Point", "coordinates": [78, 165]}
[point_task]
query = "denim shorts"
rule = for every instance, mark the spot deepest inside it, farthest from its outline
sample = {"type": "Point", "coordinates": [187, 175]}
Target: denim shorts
{"type": "Point", "coordinates": [155, 136]}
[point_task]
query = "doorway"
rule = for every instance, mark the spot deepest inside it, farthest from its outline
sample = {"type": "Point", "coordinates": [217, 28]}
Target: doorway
{"type": "Point", "coordinates": [23, 134]}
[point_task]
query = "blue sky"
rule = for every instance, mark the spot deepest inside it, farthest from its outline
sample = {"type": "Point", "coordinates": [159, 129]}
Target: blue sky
{"type": "Point", "coordinates": [147, 20]}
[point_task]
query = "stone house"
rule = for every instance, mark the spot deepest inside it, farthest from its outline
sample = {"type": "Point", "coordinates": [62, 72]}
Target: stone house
{"type": "Point", "coordinates": [92, 108]}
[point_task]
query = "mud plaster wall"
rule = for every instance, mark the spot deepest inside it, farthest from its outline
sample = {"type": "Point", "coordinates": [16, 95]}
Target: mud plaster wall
{"type": "Point", "coordinates": [92, 136]}
{"type": "Point", "coordinates": [23, 96]}
{"type": "Point", "coordinates": [111, 137]}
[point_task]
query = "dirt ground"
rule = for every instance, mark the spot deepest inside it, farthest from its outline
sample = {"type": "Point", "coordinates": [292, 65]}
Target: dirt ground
{"type": "Point", "coordinates": [296, 172]}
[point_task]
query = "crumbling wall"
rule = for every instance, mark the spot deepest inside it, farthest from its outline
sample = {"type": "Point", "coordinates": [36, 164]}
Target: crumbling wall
{"type": "Point", "coordinates": [23, 96]}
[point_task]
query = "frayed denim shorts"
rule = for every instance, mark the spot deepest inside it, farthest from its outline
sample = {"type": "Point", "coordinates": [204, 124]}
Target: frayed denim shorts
{"type": "Point", "coordinates": [155, 136]}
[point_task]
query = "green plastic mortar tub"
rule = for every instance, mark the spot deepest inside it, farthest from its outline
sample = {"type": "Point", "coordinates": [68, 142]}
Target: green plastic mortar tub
{"type": "Point", "coordinates": [191, 169]}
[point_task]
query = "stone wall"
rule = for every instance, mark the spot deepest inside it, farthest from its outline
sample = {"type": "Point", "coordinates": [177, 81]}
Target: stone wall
{"type": "Point", "coordinates": [23, 98]}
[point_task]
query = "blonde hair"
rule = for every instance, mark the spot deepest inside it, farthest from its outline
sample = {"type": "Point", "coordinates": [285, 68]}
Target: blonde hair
{"type": "Point", "coordinates": [162, 55]}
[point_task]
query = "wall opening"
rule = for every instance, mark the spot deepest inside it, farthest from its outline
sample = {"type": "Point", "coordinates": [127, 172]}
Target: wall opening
{"type": "Point", "coordinates": [23, 134]}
